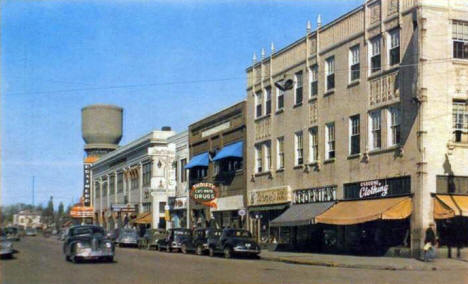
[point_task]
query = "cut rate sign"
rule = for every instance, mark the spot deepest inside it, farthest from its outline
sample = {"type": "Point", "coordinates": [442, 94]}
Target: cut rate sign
{"type": "Point", "coordinates": [205, 193]}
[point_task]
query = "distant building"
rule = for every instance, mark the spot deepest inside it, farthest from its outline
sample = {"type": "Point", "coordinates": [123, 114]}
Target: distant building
{"type": "Point", "coordinates": [27, 218]}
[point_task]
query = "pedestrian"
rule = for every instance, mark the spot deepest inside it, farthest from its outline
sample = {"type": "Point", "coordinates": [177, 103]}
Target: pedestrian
{"type": "Point", "coordinates": [429, 243]}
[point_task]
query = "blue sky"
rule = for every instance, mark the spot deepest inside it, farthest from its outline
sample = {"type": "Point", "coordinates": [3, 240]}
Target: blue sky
{"type": "Point", "coordinates": [165, 62]}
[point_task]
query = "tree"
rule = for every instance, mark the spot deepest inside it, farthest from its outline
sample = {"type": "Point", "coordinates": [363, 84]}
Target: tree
{"type": "Point", "coordinates": [48, 212]}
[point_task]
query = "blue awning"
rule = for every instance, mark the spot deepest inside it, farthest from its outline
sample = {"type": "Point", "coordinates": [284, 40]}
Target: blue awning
{"type": "Point", "coordinates": [200, 160]}
{"type": "Point", "coordinates": [234, 150]}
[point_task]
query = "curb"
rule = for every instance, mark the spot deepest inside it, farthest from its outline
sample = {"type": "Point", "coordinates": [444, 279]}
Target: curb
{"type": "Point", "coordinates": [342, 265]}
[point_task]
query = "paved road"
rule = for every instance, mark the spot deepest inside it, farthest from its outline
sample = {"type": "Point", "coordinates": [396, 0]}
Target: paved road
{"type": "Point", "coordinates": [41, 261]}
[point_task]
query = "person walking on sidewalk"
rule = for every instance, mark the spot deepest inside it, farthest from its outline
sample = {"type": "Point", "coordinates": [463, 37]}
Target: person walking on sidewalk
{"type": "Point", "coordinates": [429, 243]}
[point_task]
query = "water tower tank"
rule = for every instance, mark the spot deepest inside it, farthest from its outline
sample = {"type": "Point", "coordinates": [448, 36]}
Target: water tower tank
{"type": "Point", "coordinates": [101, 127]}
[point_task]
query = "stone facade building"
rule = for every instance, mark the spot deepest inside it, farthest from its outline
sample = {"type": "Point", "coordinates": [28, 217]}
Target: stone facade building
{"type": "Point", "coordinates": [370, 110]}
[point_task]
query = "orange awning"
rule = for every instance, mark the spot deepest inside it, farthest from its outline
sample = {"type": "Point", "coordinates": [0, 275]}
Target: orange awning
{"type": "Point", "coordinates": [448, 206]}
{"type": "Point", "coordinates": [360, 211]}
{"type": "Point", "coordinates": [144, 218]}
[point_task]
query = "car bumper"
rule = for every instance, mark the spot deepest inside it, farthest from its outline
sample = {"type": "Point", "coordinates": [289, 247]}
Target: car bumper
{"type": "Point", "coordinates": [6, 252]}
{"type": "Point", "coordinates": [128, 242]}
{"type": "Point", "coordinates": [245, 250]}
{"type": "Point", "coordinates": [94, 254]}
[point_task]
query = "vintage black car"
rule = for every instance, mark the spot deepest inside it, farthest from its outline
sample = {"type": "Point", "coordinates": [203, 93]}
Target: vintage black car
{"type": "Point", "coordinates": [12, 233]}
{"type": "Point", "coordinates": [6, 246]}
{"type": "Point", "coordinates": [174, 239]}
{"type": "Point", "coordinates": [235, 242]}
{"type": "Point", "coordinates": [201, 238]}
{"type": "Point", "coordinates": [87, 242]}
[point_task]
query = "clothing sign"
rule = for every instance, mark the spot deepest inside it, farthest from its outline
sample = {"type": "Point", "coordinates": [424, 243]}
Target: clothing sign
{"type": "Point", "coordinates": [310, 195]}
{"type": "Point", "coordinates": [87, 184]}
{"type": "Point", "coordinates": [378, 188]}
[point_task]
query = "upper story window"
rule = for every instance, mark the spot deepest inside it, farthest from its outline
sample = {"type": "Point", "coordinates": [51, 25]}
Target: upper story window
{"type": "Point", "coordinates": [267, 148]}
{"type": "Point", "coordinates": [258, 158]}
{"type": "Point", "coordinates": [393, 126]}
{"type": "Point", "coordinates": [354, 135]}
{"type": "Point", "coordinates": [354, 63]}
{"type": "Point", "coordinates": [460, 121]}
{"type": "Point", "coordinates": [280, 151]}
{"type": "Point", "coordinates": [147, 174]}
{"type": "Point", "coordinates": [120, 182]}
{"type": "Point", "coordinates": [104, 188]}
{"type": "Point", "coordinates": [183, 171]}
{"type": "Point", "coordinates": [97, 190]}
{"type": "Point", "coordinates": [394, 47]}
{"type": "Point", "coordinates": [298, 88]}
{"type": "Point", "coordinates": [112, 184]}
{"type": "Point", "coordinates": [313, 79]}
{"type": "Point", "coordinates": [279, 99]}
{"type": "Point", "coordinates": [330, 72]}
{"type": "Point", "coordinates": [375, 130]}
{"type": "Point", "coordinates": [299, 147]}
{"type": "Point", "coordinates": [258, 104]}
{"type": "Point", "coordinates": [330, 140]}
{"type": "Point", "coordinates": [374, 53]}
{"type": "Point", "coordinates": [460, 39]}
{"type": "Point", "coordinates": [313, 138]}
{"type": "Point", "coordinates": [267, 100]}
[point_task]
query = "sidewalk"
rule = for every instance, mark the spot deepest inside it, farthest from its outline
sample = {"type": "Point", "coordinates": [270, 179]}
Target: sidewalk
{"type": "Point", "coordinates": [364, 262]}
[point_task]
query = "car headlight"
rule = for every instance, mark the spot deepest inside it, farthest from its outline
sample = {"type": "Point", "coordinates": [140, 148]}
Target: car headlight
{"type": "Point", "coordinates": [108, 245]}
{"type": "Point", "coordinates": [79, 245]}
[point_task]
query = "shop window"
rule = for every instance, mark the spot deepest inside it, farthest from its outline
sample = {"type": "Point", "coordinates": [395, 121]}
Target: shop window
{"type": "Point", "coordinates": [460, 39]}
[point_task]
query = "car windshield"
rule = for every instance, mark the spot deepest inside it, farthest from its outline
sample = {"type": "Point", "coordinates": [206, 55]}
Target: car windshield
{"type": "Point", "coordinates": [182, 233]}
{"type": "Point", "coordinates": [129, 233]}
{"type": "Point", "coordinates": [11, 230]}
{"type": "Point", "coordinates": [30, 230]}
{"type": "Point", "coordinates": [239, 234]}
{"type": "Point", "coordinates": [86, 231]}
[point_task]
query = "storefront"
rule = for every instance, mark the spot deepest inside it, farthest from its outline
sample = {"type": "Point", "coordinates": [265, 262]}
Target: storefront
{"type": "Point", "coordinates": [226, 212]}
{"type": "Point", "coordinates": [372, 217]}
{"type": "Point", "coordinates": [178, 212]}
{"type": "Point", "coordinates": [265, 206]}
{"type": "Point", "coordinates": [298, 221]}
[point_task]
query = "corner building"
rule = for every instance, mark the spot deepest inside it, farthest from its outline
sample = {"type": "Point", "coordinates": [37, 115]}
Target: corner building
{"type": "Point", "coordinates": [358, 132]}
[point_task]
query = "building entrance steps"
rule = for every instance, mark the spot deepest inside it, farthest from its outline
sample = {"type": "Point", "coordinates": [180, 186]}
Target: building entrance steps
{"type": "Point", "coordinates": [441, 262]}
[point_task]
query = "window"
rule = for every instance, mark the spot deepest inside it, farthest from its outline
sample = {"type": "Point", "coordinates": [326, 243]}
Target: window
{"type": "Point", "coordinates": [354, 63]}
{"type": "Point", "coordinates": [97, 189]}
{"type": "Point", "coordinates": [258, 158]}
{"type": "Point", "coordinates": [104, 188]}
{"type": "Point", "coordinates": [354, 135]}
{"type": "Point", "coordinates": [120, 182]}
{"type": "Point", "coordinates": [134, 180]}
{"type": "Point", "coordinates": [267, 100]}
{"type": "Point", "coordinates": [111, 184]}
{"type": "Point", "coordinates": [298, 88]}
{"type": "Point", "coordinates": [313, 78]}
{"type": "Point", "coordinates": [299, 148]}
{"type": "Point", "coordinates": [330, 73]}
{"type": "Point", "coordinates": [183, 174]}
{"type": "Point", "coordinates": [375, 60]}
{"type": "Point", "coordinates": [375, 130]}
{"type": "Point", "coordinates": [394, 48]}
{"type": "Point", "coordinates": [330, 140]}
{"type": "Point", "coordinates": [280, 99]}
{"type": "Point", "coordinates": [258, 104]}
{"type": "Point", "coordinates": [280, 151]}
{"type": "Point", "coordinates": [197, 173]}
{"type": "Point", "coordinates": [460, 39]}
{"type": "Point", "coordinates": [313, 137]}
{"type": "Point", "coordinates": [394, 125]}
{"type": "Point", "coordinates": [460, 121]}
{"type": "Point", "coordinates": [267, 147]}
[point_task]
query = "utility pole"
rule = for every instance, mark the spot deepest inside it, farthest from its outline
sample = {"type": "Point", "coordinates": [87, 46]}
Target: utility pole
{"type": "Point", "coordinates": [33, 191]}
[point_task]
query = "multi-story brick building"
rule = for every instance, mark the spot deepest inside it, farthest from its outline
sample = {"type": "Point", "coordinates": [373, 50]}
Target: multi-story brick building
{"type": "Point", "coordinates": [371, 111]}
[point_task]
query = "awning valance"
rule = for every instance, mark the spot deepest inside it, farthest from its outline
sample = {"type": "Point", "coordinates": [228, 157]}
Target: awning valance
{"type": "Point", "coordinates": [268, 207]}
{"type": "Point", "coordinates": [360, 211]}
{"type": "Point", "coordinates": [448, 206]}
{"type": "Point", "coordinates": [200, 160]}
{"type": "Point", "coordinates": [301, 214]}
{"type": "Point", "coordinates": [234, 150]}
{"type": "Point", "coordinates": [144, 218]}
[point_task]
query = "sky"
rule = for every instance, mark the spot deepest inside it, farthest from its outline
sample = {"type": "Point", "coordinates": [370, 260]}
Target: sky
{"type": "Point", "coordinates": [166, 62]}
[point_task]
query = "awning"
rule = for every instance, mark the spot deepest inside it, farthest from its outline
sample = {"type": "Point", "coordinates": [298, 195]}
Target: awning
{"type": "Point", "coordinates": [448, 206]}
{"type": "Point", "coordinates": [200, 160]}
{"type": "Point", "coordinates": [360, 211]}
{"type": "Point", "coordinates": [301, 214]}
{"type": "Point", "coordinates": [143, 218]}
{"type": "Point", "coordinates": [268, 207]}
{"type": "Point", "coordinates": [229, 203]}
{"type": "Point", "coordinates": [234, 150]}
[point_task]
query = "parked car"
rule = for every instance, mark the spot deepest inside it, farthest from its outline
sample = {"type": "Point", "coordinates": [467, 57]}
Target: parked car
{"type": "Point", "coordinates": [234, 242]}
{"type": "Point", "coordinates": [31, 232]}
{"type": "Point", "coordinates": [201, 238]}
{"type": "Point", "coordinates": [12, 234]}
{"type": "Point", "coordinates": [174, 239]}
{"type": "Point", "coordinates": [87, 242]}
{"type": "Point", "coordinates": [6, 246]}
{"type": "Point", "coordinates": [127, 237]}
{"type": "Point", "coordinates": [113, 235]}
{"type": "Point", "coordinates": [156, 236]}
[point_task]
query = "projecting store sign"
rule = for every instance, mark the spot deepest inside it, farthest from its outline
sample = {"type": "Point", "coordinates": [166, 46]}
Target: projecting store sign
{"type": "Point", "coordinates": [378, 188]}
{"type": "Point", "coordinates": [87, 185]}
{"type": "Point", "coordinates": [204, 193]}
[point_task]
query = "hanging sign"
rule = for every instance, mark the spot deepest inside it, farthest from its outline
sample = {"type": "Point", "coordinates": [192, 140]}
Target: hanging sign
{"type": "Point", "coordinates": [87, 184]}
{"type": "Point", "coordinates": [205, 194]}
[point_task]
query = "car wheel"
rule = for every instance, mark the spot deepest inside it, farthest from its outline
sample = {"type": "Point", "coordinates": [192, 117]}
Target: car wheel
{"type": "Point", "coordinates": [183, 249]}
{"type": "Point", "coordinates": [199, 250]}
{"type": "Point", "coordinates": [110, 259]}
{"type": "Point", "coordinates": [67, 258]}
{"type": "Point", "coordinates": [75, 260]}
{"type": "Point", "coordinates": [227, 252]}
{"type": "Point", "coordinates": [211, 252]}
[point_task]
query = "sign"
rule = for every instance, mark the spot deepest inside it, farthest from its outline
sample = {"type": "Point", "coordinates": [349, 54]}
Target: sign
{"type": "Point", "coordinates": [123, 207]}
{"type": "Point", "coordinates": [205, 194]}
{"type": "Point", "coordinates": [271, 196]}
{"type": "Point", "coordinates": [87, 184]}
{"type": "Point", "coordinates": [180, 203]}
{"type": "Point", "coordinates": [242, 212]}
{"type": "Point", "coordinates": [80, 211]}
{"type": "Point", "coordinates": [310, 195]}
{"type": "Point", "coordinates": [378, 188]}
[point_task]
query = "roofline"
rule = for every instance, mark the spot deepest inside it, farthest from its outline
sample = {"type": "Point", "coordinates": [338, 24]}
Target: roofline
{"type": "Point", "coordinates": [215, 113]}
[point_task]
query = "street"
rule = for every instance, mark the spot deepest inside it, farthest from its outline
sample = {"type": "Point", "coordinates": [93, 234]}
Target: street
{"type": "Point", "coordinates": [41, 260]}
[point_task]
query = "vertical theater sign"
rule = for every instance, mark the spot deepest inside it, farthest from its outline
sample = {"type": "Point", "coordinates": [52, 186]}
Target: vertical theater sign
{"type": "Point", "coordinates": [87, 184]}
